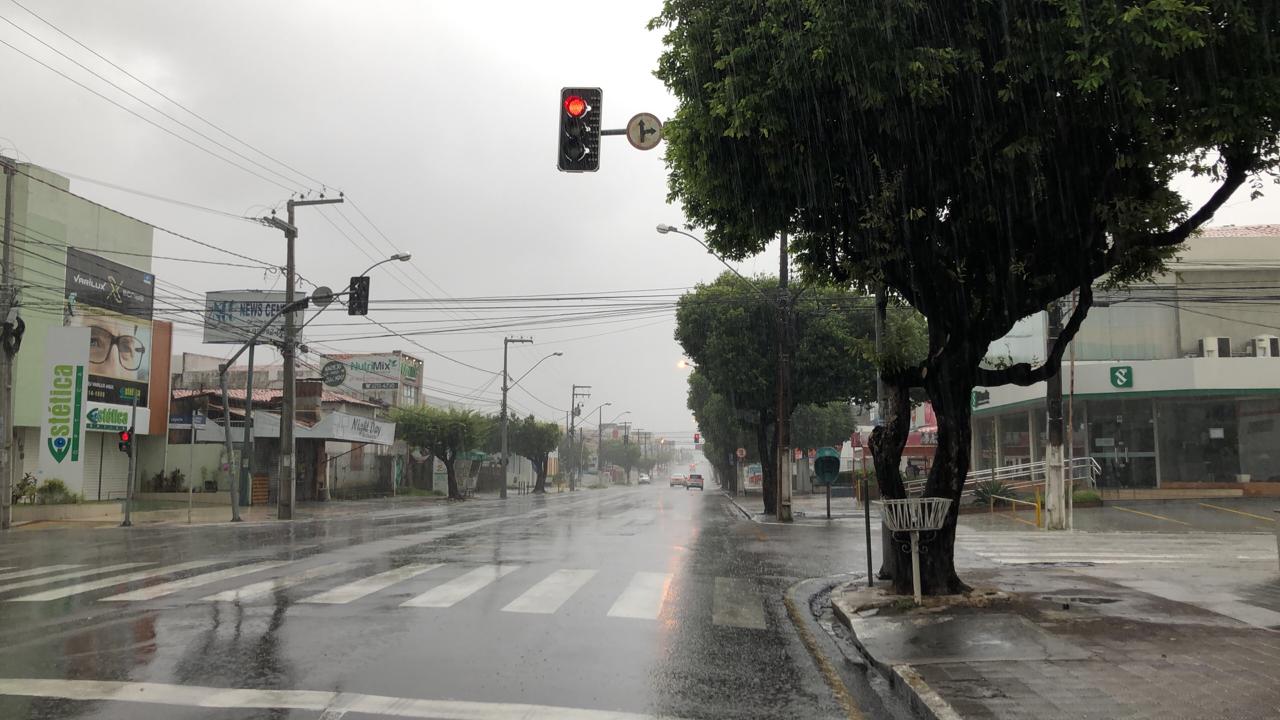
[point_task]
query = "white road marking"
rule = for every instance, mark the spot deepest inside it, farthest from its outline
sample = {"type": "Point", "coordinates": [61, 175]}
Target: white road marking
{"type": "Point", "coordinates": [36, 571]}
{"type": "Point", "coordinates": [155, 591]}
{"type": "Point", "coordinates": [551, 592]}
{"type": "Point", "coordinates": [71, 575]}
{"type": "Point", "coordinates": [258, 590]}
{"type": "Point", "coordinates": [461, 587]}
{"type": "Point", "coordinates": [737, 604]}
{"type": "Point", "coordinates": [369, 585]}
{"type": "Point", "coordinates": [84, 587]}
{"type": "Point", "coordinates": [643, 597]}
{"type": "Point", "coordinates": [308, 700]}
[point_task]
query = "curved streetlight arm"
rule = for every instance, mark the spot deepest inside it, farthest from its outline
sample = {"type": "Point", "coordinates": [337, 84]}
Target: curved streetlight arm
{"type": "Point", "coordinates": [398, 257]}
{"type": "Point", "coordinates": [535, 365]}
{"type": "Point", "coordinates": [663, 229]}
{"type": "Point", "coordinates": [615, 419]}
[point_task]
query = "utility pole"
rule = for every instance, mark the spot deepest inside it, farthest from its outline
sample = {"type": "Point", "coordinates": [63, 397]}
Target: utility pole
{"type": "Point", "coordinates": [8, 299]}
{"type": "Point", "coordinates": [784, 383]}
{"type": "Point", "coordinates": [246, 445]}
{"type": "Point", "coordinates": [882, 306]}
{"type": "Point", "coordinates": [578, 391]}
{"type": "Point", "coordinates": [506, 456]}
{"type": "Point", "coordinates": [287, 412]}
{"type": "Point", "coordinates": [1055, 483]}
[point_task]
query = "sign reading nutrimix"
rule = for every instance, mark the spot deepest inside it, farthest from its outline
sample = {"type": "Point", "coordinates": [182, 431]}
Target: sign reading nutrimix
{"type": "Point", "coordinates": [66, 357]}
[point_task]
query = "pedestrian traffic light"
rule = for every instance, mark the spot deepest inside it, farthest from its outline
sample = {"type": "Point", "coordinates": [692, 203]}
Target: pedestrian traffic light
{"type": "Point", "coordinates": [579, 129]}
{"type": "Point", "coordinates": [126, 441]}
{"type": "Point", "coordinates": [358, 300]}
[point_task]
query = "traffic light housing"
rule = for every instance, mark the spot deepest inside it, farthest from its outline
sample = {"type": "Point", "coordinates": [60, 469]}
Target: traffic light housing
{"type": "Point", "coordinates": [579, 149]}
{"type": "Point", "coordinates": [126, 441]}
{"type": "Point", "coordinates": [697, 438]}
{"type": "Point", "coordinates": [358, 299]}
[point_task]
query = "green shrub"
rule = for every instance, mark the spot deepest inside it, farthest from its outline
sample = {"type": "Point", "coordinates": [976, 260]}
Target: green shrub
{"type": "Point", "coordinates": [25, 489]}
{"type": "Point", "coordinates": [984, 490]}
{"type": "Point", "coordinates": [1086, 496]}
{"type": "Point", "coordinates": [54, 492]}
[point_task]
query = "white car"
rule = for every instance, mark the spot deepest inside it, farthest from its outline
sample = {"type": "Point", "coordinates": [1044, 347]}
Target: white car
{"type": "Point", "coordinates": [644, 480]}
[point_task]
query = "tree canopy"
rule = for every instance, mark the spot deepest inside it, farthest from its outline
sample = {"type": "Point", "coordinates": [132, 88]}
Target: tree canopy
{"type": "Point", "coordinates": [535, 440]}
{"type": "Point", "coordinates": [981, 159]}
{"type": "Point", "coordinates": [446, 433]}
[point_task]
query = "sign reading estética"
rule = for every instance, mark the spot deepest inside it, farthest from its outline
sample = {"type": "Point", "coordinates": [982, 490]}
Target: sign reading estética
{"type": "Point", "coordinates": [62, 430]}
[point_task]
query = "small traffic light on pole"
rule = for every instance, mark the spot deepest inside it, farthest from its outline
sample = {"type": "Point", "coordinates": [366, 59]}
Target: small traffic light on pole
{"type": "Point", "coordinates": [126, 441]}
{"type": "Point", "coordinates": [579, 129]}
{"type": "Point", "coordinates": [358, 300]}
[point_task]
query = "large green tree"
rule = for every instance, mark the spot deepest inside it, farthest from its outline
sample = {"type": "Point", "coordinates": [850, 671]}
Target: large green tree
{"type": "Point", "coordinates": [622, 453]}
{"type": "Point", "coordinates": [981, 159]}
{"type": "Point", "coordinates": [446, 433]}
{"type": "Point", "coordinates": [730, 329]}
{"type": "Point", "coordinates": [535, 440]}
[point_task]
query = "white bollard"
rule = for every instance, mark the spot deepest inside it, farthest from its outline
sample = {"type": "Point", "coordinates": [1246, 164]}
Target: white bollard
{"type": "Point", "coordinates": [915, 565]}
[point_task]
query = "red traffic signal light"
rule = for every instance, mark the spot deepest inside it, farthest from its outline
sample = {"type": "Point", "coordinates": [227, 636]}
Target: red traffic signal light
{"type": "Point", "coordinates": [575, 106]}
{"type": "Point", "coordinates": [125, 436]}
{"type": "Point", "coordinates": [126, 441]}
{"type": "Point", "coordinates": [697, 437]}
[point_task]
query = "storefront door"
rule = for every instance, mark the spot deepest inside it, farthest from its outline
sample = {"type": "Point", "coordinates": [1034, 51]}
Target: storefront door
{"type": "Point", "coordinates": [1122, 439]}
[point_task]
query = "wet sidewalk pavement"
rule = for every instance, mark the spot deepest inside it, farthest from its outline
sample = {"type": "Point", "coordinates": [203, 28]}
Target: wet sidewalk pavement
{"type": "Point", "coordinates": [1052, 643]}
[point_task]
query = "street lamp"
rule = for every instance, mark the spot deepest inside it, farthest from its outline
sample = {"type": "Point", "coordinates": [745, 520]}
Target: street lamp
{"type": "Point", "coordinates": [685, 364]}
{"type": "Point", "coordinates": [398, 257]}
{"type": "Point", "coordinates": [535, 365]}
{"type": "Point", "coordinates": [506, 455]}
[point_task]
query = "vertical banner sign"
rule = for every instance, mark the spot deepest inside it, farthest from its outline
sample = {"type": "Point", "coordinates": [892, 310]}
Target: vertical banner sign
{"type": "Point", "coordinates": [66, 359]}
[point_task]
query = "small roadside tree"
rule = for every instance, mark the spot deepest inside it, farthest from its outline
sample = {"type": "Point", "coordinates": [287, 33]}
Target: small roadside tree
{"type": "Point", "coordinates": [446, 433]}
{"type": "Point", "coordinates": [535, 440]}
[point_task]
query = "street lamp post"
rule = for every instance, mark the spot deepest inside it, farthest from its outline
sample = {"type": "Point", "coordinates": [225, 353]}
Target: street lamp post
{"type": "Point", "coordinates": [506, 457]}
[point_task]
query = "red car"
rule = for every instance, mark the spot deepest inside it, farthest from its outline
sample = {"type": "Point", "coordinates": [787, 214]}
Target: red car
{"type": "Point", "coordinates": [694, 480]}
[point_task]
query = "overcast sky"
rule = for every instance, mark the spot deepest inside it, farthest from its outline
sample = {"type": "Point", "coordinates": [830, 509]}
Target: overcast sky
{"type": "Point", "coordinates": [438, 119]}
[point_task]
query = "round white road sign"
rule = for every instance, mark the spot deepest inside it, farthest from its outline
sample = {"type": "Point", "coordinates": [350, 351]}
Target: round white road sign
{"type": "Point", "coordinates": [644, 131]}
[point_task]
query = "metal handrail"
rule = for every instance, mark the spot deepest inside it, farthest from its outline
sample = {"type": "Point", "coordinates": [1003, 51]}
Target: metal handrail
{"type": "Point", "coordinates": [1012, 501]}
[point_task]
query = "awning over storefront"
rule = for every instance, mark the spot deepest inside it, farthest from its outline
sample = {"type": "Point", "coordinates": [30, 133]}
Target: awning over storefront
{"type": "Point", "coordinates": [336, 426]}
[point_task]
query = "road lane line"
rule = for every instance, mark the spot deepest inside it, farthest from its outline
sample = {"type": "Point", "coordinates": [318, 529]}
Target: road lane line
{"type": "Point", "coordinates": [318, 701]}
{"type": "Point", "coordinates": [155, 591]}
{"type": "Point", "coordinates": [37, 571]}
{"type": "Point", "coordinates": [71, 575]}
{"type": "Point", "coordinates": [551, 592]}
{"type": "Point", "coordinates": [89, 586]}
{"type": "Point", "coordinates": [461, 587]}
{"type": "Point", "coordinates": [643, 597]}
{"type": "Point", "coordinates": [369, 585]}
{"type": "Point", "coordinates": [255, 591]}
{"type": "Point", "coordinates": [737, 604]}
{"type": "Point", "coordinates": [1147, 514]}
{"type": "Point", "coordinates": [1238, 512]}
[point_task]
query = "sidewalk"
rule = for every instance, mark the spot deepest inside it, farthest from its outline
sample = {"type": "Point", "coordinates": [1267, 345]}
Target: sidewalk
{"type": "Point", "coordinates": [806, 509]}
{"type": "Point", "coordinates": [1056, 644]}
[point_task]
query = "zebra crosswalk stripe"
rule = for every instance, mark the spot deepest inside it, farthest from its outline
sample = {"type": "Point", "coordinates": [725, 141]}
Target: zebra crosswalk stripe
{"type": "Point", "coordinates": [258, 590]}
{"type": "Point", "coordinates": [369, 585]}
{"type": "Point", "coordinates": [643, 598]}
{"type": "Point", "coordinates": [37, 571]}
{"type": "Point", "coordinates": [71, 575]}
{"type": "Point", "coordinates": [461, 587]}
{"type": "Point", "coordinates": [551, 592]}
{"type": "Point", "coordinates": [155, 591]}
{"type": "Point", "coordinates": [91, 585]}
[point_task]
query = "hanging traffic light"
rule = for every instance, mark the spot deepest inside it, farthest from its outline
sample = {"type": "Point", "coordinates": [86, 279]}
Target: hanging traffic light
{"type": "Point", "coordinates": [126, 441]}
{"type": "Point", "coordinates": [358, 300]}
{"type": "Point", "coordinates": [579, 129]}
{"type": "Point", "coordinates": [697, 438]}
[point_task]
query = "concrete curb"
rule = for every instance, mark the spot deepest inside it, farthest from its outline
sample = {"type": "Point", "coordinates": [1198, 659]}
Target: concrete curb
{"type": "Point", "coordinates": [903, 679]}
{"type": "Point", "coordinates": [818, 642]}
{"type": "Point", "coordinates": [745, 513]}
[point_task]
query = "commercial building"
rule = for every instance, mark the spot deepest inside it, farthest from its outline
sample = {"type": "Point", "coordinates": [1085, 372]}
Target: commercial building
{"type": "Point", "coordinates": [83, 286]}
{"type": "Point", "coordinates": [1176, 382]}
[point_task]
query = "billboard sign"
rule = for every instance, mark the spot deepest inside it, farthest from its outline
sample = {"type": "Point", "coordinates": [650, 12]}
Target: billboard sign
{"type": "Point", "coordinates": [66, 379]}
{"type": "Point", "coordinates": [372, 376]}
{"type": "Point", "coordinates": [114, 302]}
{"type": "Point", "coordinates": [233, 316]}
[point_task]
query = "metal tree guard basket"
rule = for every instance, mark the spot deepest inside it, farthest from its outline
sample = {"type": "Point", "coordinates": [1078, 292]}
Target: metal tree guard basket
{"type": "Point", "coordinates": [912, 515]}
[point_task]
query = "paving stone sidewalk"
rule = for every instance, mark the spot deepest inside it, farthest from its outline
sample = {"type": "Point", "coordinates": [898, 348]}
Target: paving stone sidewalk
{"type": "Point", "coordinates": [1069, 646]}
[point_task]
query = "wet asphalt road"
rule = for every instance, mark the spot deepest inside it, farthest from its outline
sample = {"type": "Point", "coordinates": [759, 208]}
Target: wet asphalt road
{"type": "Point", "coordinates": [648, 600]}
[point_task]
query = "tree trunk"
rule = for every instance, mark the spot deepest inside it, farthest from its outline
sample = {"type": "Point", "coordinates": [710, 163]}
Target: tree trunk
{"type": "Point", "coordinates": [768, 467]}
{"type": "Point", "coordinates": [540, 472]}
{"type": "Point", "coordinates": [950, 385]}
{"type": "Point", "coordinates": [887, 443]}
{"type": "Point", "coordinates": [454, 492]}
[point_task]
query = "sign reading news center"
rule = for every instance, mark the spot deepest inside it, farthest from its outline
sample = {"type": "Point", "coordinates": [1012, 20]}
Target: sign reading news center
{"type": "Point", "coordinates": [233, 316]}
{"type": "Point", "coordinates": [66, 379]}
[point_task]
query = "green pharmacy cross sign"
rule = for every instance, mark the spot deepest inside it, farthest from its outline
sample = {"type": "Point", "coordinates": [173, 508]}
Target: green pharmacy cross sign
{"type": "Point", "coordinates": [1122, 376]}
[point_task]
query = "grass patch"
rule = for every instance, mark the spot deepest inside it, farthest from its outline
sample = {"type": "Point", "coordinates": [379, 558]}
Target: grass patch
{"type": "Point", "coordinates": [1086, 496]}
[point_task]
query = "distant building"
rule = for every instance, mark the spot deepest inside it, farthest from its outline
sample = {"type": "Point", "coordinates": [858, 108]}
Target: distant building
{"type": "Point", "coordinates": [1176, 381]}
